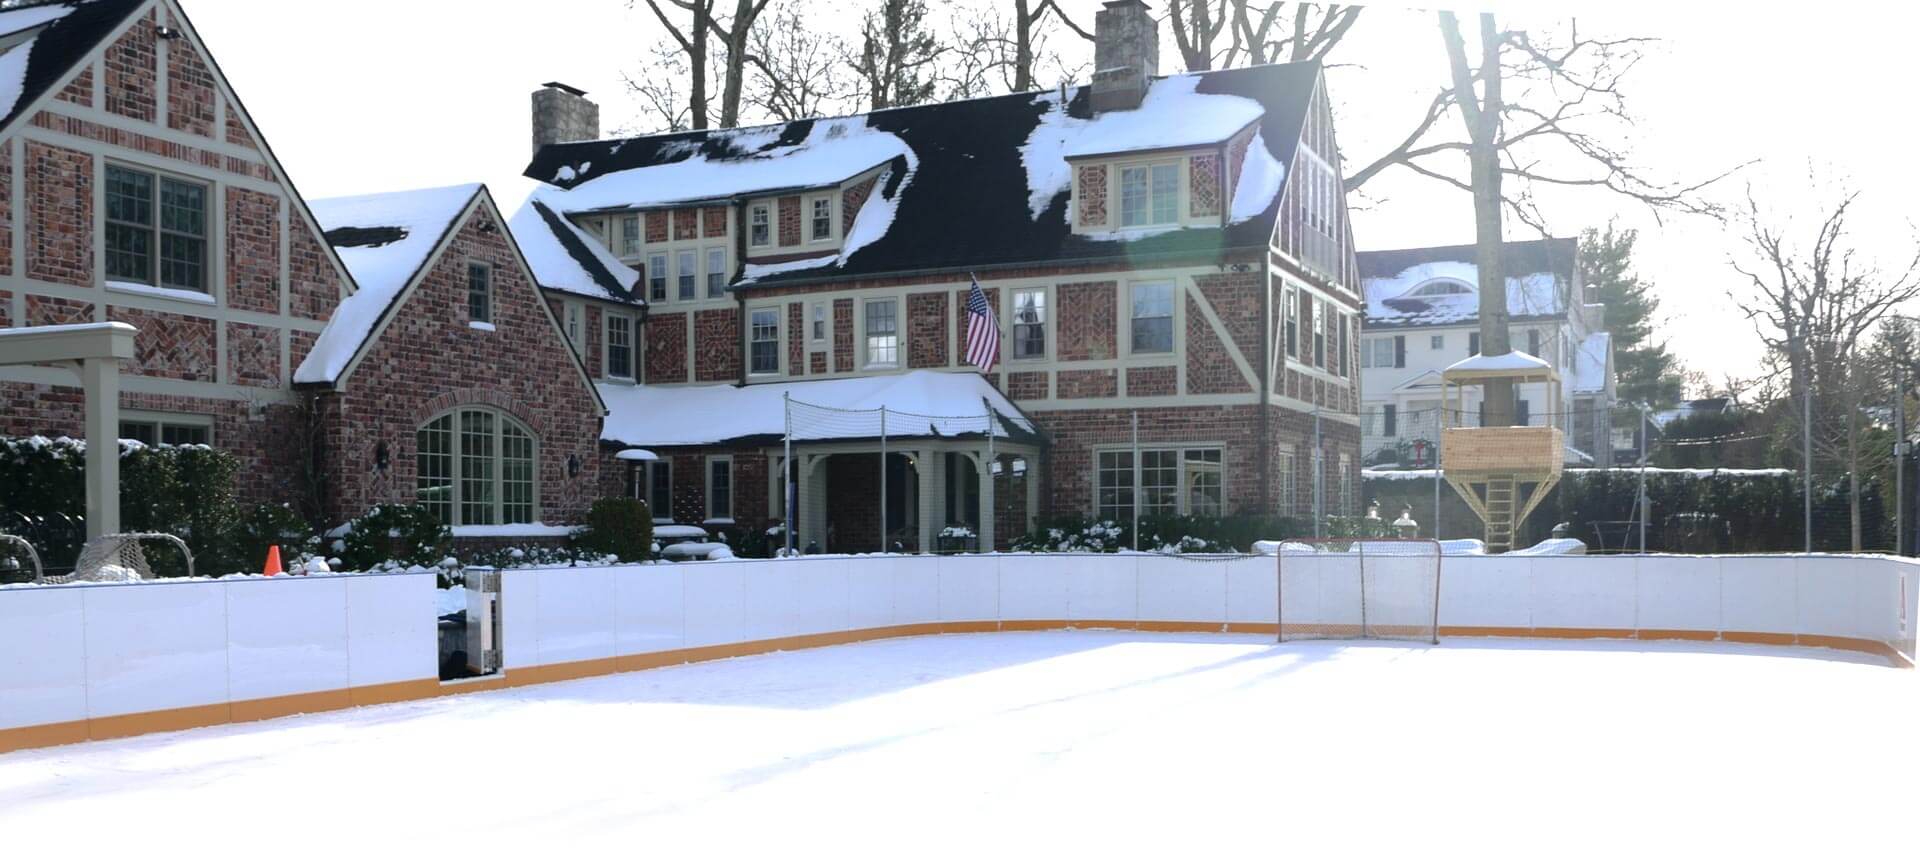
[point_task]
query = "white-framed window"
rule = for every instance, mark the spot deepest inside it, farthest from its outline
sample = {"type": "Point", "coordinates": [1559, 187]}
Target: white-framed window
{"type": "Point", "coordinates": [1293, 325]}
{"type": "Point", "coordinates": [1437, 342]}
{"type": "Point", "coordinates": [629, 235]}
{"type": "Point", "coordinates": [479, 292]}
{"type": "Point", "coordinates": [475, 466]}
{"type": "Point", "coordinates": [720, 487]}
{"type": "Point", "coordinates": [883, 332]}
{"type": "Point", "coordinates": [763, 345]}
{"type": "Point", "coordinates": [717, 273]}
{"type": "Point", "coordinates": [1030, 323]}
{"type": "Point", "coordinates": [820, 219]}
{"type": "Point", "coordinates": [1376, 352]}
{"type": "Point", "coordinates": [168, 429]}
{"type": "Point", "coordinates": [653, 484]}
{"type": "Point", "coordinates": [1390, 420]}
{"type": "Point", "coordinates": [575, 320]}
{"type": "Point", "coordinates": [1288, 488]}
{"type": "Point", "coordinates": [1172, 480]}
{"type": "Point", "coordinates": [657, 276]}
{"type": "Point", "coordinates": [1149, 194]}
{"type": "Point", "coordinates": [1320, 318]}
{"type": "Point", "coordinates": [687, 271]}
{"type": "Point", "coordinates": [1152, 318]}
{"type": "Point", "coordinates": [619, 346]}
{"type": "Point", "coordinates": [760, 225]}
{"type": "Point", "coordinates": [156, 229]}
{"type": "Point", "coordinates": [1473, 343]}
{"type": "Point", "coordinates": [817, 322]}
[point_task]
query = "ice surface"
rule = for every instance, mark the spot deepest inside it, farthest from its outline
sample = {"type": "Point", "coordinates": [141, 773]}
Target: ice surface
{"type": "Point", "coordinates": [1050, 740]}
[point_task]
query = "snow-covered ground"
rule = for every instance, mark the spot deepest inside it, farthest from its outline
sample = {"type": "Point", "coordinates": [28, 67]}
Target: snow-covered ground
{"type": "Point", "coordinates": [1062, 739]}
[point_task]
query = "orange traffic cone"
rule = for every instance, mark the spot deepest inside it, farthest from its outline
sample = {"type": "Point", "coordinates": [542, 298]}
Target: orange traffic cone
{"type": "Point", "coordinates": [273, 560]}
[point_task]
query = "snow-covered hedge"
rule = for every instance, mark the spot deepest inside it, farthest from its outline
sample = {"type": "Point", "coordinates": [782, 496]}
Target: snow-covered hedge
{"type": "Point", "coordinates": [1167, 533]}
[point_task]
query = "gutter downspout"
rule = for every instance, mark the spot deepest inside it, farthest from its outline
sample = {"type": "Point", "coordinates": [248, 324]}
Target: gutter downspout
{"type": "Point", "coordinates": [734, 218]}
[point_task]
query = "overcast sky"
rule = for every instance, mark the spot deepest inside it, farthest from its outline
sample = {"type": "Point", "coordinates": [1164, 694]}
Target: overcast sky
{"type": "Point", "coordinates": [373, 95]}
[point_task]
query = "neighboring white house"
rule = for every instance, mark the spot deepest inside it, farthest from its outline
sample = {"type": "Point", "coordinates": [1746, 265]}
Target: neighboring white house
{"type": "Point", "coordinates": [1423, 315]}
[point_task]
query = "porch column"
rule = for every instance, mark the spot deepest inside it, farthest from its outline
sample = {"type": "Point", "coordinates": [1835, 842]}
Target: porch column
{"type": "Point", "coordinates": [988, 543]}
{"type": "Point", "coordinates": [813, 503]}
{"type": "Point", "coordinates": [100, 378]}
{"type": "Point", "coordinates": [926, 462]}
{"type": "Point", "coordinates": [1033, 493]}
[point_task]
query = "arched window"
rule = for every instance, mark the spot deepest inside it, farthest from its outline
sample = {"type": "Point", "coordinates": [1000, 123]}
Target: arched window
{"type": "Point", "coordinates": [476, 468]}
{"type": "Point", "coordinates": [1439, 286]}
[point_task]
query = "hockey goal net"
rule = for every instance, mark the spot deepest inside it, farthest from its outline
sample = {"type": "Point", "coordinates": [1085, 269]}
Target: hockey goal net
{"type": "Point", "coordinates": [1359, 589]}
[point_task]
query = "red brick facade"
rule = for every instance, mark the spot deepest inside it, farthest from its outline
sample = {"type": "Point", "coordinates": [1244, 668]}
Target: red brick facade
{"type": "Point", "coordinates": [253, 355]}
{"type": "Point", "coordinates": [130, 73]}
{"type": "Point", "coordinates": [843, 335]}
{"type": "Point", "coordinates": [190, 90]}
{"type": "Point", "coordinates": [1210, 369]}
{"type": "Point", "coordinates": [1203, 184]}
{"type": "Point", "coordinates": [666, 342]}
{"type": "Point", "coordinates": [926, 330]}
{"type": "Point", "coordinates": [1092, 195]}
{"type": "Point", "coordinates": [686, 224]}
{"type": "Point", "coordinates": [1153, 381]}
{"type": "Point", "coordinates": [6, 211]}
{"type": "Point", "coordinates": [1086, 318]}
{"type": "Point", "coordinates": [59, 215]}
{"type": "Point", "coordinates": [1089, 383]}
{"type": "Point", "coordinates": [796, 339]}
{"type": "Point", "coordinates": [790, 220]}
{"type": "Point", "coordinates": [313, 281]}
{"type": "Point", "coordinates": [253, 251]}
{"type": "Point", "coordinates": [716, 349]}
{"type": "Point", "coordinates": [851, 200]}
{"type": "Point", "coordinates": [429, 360]}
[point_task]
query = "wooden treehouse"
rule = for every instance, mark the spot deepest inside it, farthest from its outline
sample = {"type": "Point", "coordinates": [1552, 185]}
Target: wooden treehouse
{"type": "Point", "coordinates": [1503, 472]}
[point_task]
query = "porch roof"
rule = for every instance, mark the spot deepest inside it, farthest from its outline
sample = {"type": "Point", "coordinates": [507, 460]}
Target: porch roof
{"type": "Point", "coordinates": [919, 404]}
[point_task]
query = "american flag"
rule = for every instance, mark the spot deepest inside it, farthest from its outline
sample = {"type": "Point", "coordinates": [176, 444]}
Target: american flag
{"type": "Point", "coordinates": [983, 334]}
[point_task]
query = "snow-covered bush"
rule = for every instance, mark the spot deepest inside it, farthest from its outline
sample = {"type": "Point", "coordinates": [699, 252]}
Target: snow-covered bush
{"type": "Point", "coordinates": [264, 526]}
{"type": "Point", "coordinates": [182, 490]}
{"type": "Point", "coordinates": [392, 533]}
{"type": "Point", "coordinates": [1168, 533]}
{"type": "Point", "coordinates": [621, 526]}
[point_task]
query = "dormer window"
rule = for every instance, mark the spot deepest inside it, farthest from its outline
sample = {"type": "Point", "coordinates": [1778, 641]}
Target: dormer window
{"type": "Point", "coordinates": [1149, 194]}
{"type": "Point", "coordinates": [760, 230]}
{"type": "Point", "coordinates": [822, 221]}
{"type": "Point", "coordinates": [1442, 286]}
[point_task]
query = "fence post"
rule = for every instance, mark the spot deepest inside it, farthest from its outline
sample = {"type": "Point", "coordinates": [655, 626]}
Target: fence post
{"type": "Point", "coordinates": [883, 480]}
{"type": "Point", "coordinates": [1439, 445]}
{"type": "Point", "coordinates": [789, 488]}
{"type": "Point", "coordinates": [1806, 461]}
{"type": "Point", "coordinates": [1640, 501]}
{"type": "Point", "coordinates": [1319, 477]}
{"type": "Point", "coordinates": [1136, 480]}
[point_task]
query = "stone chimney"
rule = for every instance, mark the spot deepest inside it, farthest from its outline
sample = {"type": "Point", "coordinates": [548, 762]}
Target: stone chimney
{"type": "Point", "coordinates": [1126, 54]}
{"type": "Point", "coordinates": [562, 113]}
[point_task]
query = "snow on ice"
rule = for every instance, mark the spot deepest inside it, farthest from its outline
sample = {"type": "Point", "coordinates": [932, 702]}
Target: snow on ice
{"type": "Point", "coordinates": [1058, 739]}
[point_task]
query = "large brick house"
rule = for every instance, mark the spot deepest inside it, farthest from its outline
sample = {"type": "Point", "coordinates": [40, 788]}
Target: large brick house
{"type": "Point", "coordinates": [334, 348]}
{"type": "Point", "coordinates": [1163, 254]}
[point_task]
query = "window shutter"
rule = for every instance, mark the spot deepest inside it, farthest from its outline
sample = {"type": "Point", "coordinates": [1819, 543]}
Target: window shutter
{"type": "Point", "coordinates": [1520, 412]}
{"type": "Point", "coordinates": [1390, 421]}
{"type": "Point", "coordinates": [1399, 353]}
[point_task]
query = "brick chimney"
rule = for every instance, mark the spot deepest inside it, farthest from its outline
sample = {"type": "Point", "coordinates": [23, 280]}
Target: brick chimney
{"type": "Point", "coordinates": [562, 113]}
{"type": "Point", "coordinates": [1126, 54]}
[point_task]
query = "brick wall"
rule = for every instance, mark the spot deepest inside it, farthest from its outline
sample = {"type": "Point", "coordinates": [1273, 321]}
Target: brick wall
{"type": "Point", "coordinates": [593, 334]}
{"type": "Point", "coordinates": [716, 352]}
{"type": "Point", "coordinates": [169, 345]}
{"type": "Point", "coordinates": [926, 330]}
{"type": "Point", "coordinates": [686, 224]}
{"type": "Point", "coordinates": [1210, 369]}
{"type": "Point", "coordinates": [657, 226]}
{"type": "Point", "coordinates": [1235, 428]}
{"type": "Point", "coordinates": [1086, 318]}
{"type": "Point", "coordinates": [713, 221]}
{"type": "Point", "coordinates": [312, 281]}
{"type": "Point", "coordinates": [429, 360]}
{"type": "Point", "coordinates": [253, 251]}
{"type": "Point", "coordinates": [237, 132]}
{"type": "Point", "coordinates": [253, 354]}
{"type": "Point", "coordinates": [851, 200]}
{"type": "Point", "coordinates": [1235, 298]}
{"type": "Point", "coordinates": [843, 335]}
{"type": "Point", "coordinates": [1091, 202]}
{"type": "Point", "coordinates": [666, 348]}
{"type": "Point", "coordinates": [1088, 383]}
{"type": "Point", "coordinates": [1203, 183]}
{"type": "Point", "coordinates": [790, 220]}
{"type": "Point", "coordinates": [49, 310]}
{"type": "Point", "coordinates": [1153, 380]}
{"type": "Point", "coordinates": [1236, 159]}
{"type": "Point", "coordinates": [190, 90]}
{"type": "Point", "coordinates": [6, 309]}
{"type": "Point", "coordinates": [79, 91]}
{"type": "Point", "coordinates": [131, 73]}
{"type": "Point", "coordinates": [6, 209]}
{"type": "Point", "coordinates": [817, 362]}
{"type": "Point", "coordinates": [59, 215]}
{"type": "Point", "coordinates": [1026, 385]}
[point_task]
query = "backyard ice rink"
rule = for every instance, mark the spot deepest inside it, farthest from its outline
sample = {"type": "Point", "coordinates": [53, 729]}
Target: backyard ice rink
{"type": "Point", "coordinates": [1055, 739]}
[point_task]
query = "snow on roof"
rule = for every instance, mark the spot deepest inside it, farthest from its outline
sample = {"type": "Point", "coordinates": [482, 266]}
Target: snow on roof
{"type": "Point", "coordinates": [13, 62]}
{"type": "Point", "coordinates": [1592, 363]}
{"type": "Point", "coordinates": [920, 403]}
{"type": "Point", "coordinates": [1539, 275]}
{"type": "Point", "coordinates": [384, 240]}
{"type": "Point", "coordinates": [1510, 362]}
{"type": "Point", "coordinates": [732, 163]}
{"type": "Point", "coordinates": [1172, 115]}
{"type": "Point", "coordinates": [1261, 178]}
{"type": "Point", "coordinates": [563, 257]}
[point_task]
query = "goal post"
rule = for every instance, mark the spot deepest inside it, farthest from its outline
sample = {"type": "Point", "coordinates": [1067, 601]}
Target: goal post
{"type": "Point", "coordinates": [1358, 588]}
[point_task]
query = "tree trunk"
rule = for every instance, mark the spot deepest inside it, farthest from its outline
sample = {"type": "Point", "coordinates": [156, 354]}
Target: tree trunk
{"type": "Point", "coordinates": [697, 57]}
{"type": "Point", "coordinates": [1022, 47]}
{"type": "Point", "coordinates": [1481, 111]}
{"type": "Point", "coordinates": [1853, 471]}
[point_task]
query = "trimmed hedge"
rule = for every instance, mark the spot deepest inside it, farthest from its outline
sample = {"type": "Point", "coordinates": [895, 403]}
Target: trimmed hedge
{"type": "Point", "coordinates": [621, 526]}
{"type": "Point", "coordinates": [1171, 533]}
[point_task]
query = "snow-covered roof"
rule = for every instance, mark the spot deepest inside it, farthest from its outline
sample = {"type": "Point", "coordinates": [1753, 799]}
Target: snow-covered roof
{"type": "Point", "coordinates": [920, 403]}
{"type": "Point", "coordinates": [1593, 363]}
{"type": "Point", "coordinates": [384, 240]}
{"type": "Point", "coordinates": [40, 44]}
{"type": "Point", "coordinates": [961, 184]}
{"type": "Point", "coordinates": [1539, 282]}
{"type": "Point", "coordinates": [1515, 362]}
{"type": "Point", "coordinates": [563, 257]}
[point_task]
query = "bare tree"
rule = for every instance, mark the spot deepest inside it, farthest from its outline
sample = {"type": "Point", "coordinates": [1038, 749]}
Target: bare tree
{"type": "Point", "coordinates": [1011, 50]}
{"type": "Point", "coordinates": [1227, 33]}
{"type": "Point", "coordinates": [1814, 305]}
{"type": "Point", "coordinates": [796, 72]}
{"type": "Point", "coordinates": [1480, 112]}
{"type": "Point", "coordinates": [699, 60]}
{"type": "Point", "coordinates": [896, 54]}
